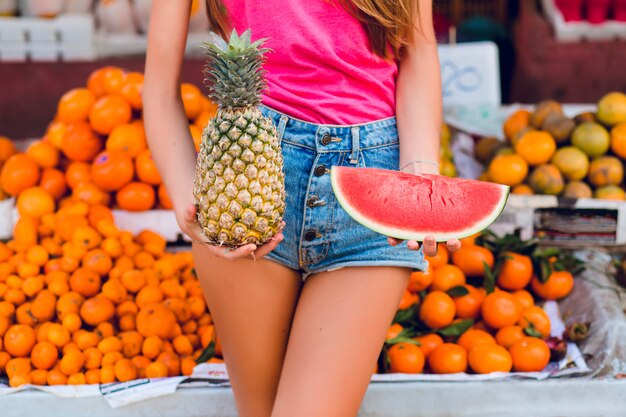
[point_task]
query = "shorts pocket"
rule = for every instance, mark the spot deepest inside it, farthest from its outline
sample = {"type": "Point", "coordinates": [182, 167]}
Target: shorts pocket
{"type": "Point", "coordinates": [385, 157]}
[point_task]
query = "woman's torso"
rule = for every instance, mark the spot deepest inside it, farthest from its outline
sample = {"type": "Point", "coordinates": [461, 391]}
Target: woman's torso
{"type": "Point", "coordinates": [321, 69]}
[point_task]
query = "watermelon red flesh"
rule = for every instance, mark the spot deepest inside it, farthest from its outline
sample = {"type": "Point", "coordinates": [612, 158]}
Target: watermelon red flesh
{"type": "Point", "coordinates": [408, 206]}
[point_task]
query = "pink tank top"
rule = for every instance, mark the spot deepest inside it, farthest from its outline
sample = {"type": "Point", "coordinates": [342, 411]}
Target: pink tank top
{"type": "Point", "coordinates": [322, 69]}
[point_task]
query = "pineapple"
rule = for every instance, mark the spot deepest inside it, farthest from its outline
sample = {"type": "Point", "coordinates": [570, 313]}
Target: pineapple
{"type": "Point", "coordinates": [239, 186]}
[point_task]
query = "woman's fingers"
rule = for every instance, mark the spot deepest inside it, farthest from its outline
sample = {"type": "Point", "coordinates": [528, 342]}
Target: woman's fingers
{"type": "Point", "coordinates": [453, 245]}
{"type": "Point", "coordinates": [190, 213]}
{"type": "Point", "coordinates": [269, 246]}
{"type": "Point", "coordinates": [430, 246]}
{"type": "Point", "coordinates": [393, 241]}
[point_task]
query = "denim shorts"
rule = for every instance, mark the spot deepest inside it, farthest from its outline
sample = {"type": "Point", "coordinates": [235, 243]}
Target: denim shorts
{"type": "Point", "coordinates": [319, 234]}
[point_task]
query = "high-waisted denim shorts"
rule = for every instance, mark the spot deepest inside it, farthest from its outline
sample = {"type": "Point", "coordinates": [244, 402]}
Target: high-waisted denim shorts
{"type": "Point", "coordinates": [319, 234]}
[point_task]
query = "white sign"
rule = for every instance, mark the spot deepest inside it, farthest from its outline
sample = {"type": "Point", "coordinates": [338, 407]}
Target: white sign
{"type": "Point", "coordinates": [470, 74]}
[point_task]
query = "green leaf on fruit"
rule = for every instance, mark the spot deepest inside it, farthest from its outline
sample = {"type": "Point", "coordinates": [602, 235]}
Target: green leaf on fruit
{"type": "Point", "coordinates": [207, 353]}
{"type": "Point", "coordinates": [457, 328]}
{"type": "Point", "coordinates": [458, 291]}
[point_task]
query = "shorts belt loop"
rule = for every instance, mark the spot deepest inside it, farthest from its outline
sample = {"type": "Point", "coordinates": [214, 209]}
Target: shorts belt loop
{"type": "Point", "coordinates": [282, 124]}
{"type": "Point", "coordinates": [354, 156]}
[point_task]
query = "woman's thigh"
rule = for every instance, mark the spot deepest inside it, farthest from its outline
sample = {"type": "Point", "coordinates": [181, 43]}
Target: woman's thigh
{"type": "Point", "coordinates": [252, 304]}
{"type": "Point", "coordinates": [338, 330]}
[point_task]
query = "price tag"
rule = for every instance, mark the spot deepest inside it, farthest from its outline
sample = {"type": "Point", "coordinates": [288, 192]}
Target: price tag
{"type": "Point", "coordinates": [470, 74]}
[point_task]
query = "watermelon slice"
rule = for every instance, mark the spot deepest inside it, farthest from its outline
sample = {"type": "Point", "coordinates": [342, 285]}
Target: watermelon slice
{"type": "Point", "coordinates": [407, 206]}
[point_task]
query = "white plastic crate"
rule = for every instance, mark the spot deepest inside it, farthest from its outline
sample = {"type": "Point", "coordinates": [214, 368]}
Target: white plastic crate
{"type": "Point", "coordinates": [66, 38]}
{"type": "Point", "coordinates": [577, 31]}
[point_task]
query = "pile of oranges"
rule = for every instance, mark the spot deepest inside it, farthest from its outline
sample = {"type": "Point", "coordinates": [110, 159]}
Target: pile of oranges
{"type": "Point", "coordinates": [95, 149]}
{"type": "Point", "coordinates": [448, 323]}
{"type": "Point", "coordinates": [82, 302]}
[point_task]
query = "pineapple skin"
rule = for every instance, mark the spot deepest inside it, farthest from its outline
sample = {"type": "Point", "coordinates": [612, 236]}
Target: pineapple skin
{"type": "Point", "coordinates": [239, 186]}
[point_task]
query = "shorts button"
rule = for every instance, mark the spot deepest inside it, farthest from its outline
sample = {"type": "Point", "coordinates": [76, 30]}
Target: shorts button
{"type": "Point", "coordinates": [326, 139]}
{"type": "Point", "coordinates": [312, 202]}
{"type": "Point", "coordinates": [310, 235]}
{"type": "Point", "coordinates": [319, 171]}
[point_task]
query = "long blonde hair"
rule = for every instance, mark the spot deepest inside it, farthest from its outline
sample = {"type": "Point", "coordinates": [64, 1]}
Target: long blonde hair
{"type": "Point", "coordinates": [389, 23]}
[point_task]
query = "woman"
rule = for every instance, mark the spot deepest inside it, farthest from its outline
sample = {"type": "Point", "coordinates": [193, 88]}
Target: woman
{"type": "Point", "coordinates": [302, 322]}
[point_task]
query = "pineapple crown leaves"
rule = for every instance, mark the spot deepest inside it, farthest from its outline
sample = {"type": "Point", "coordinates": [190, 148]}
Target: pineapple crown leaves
{"type": "Point", "coordinates": [234, 71]}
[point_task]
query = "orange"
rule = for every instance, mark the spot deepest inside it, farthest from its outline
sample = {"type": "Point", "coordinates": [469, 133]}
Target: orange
{"type": "Point", "coordinates": [25, 231]}
{"type": "Point", "coordinates": [4, 325]}
{"type": "Point", "coordinates": [37, 255]}
{"type": "Point", "coordinates": [446, 277]}
{"type": "Point", "coordinates": [45, 154]}
{"type": "Point", "coordinates": [420, 280]}
{"type": "Point", "coordinates": [500, 309]}
{"type": "Point", "coordinates": [536, 147]}
{"type": "Point", "coordinates": [192, 100]}
{"type": "Point", "coordinates": [110, 344]}
{"type": "Point", "coordinates": [17, 366]}
{"type": "Point", "coordinates": [72, 362]}
{"type": "Point", "coordinates": [203, 118]}
{"type": "Point", "coordinates": [93, 358]}
{"type": "Point", "coordinates": [89, 193]}
{"type": "Point", "coordinates": [53, 182]}
{"type": "Point", "coordinates": [156, 320]}
{"type": "Point", "coordinates": [188, 364]}
{"type": "Point", "coordinates": [152, 347]}
{"type": "Point", "coordinates": [114, 291]}
{"type": "Point", "coordinates": [468, 306]}
{"type": "Point", "coordinates": [487, 358]}
{"type": "Point", "coordinates": [405, 358]}
{"type": "Point", "coordinates": [156, 370]}
{"type": "Point", "coordinates": [39, 377]}
{"type": "Point", "coordinates": [437, 310]}
{"type": "Point", "coordinates": [128, 138]}
{"type": "Point", "coordinates": [19, 380]}
{"type": "Point", "coordinates": [18, 173]}
{"type": "Point", "coordinates": [35, 202]}
{"type": "Point", "coordinates": [80, 143]}
{"type": "Point", "coordinates": [83, 239]}
{"type": "Point", "coordinates": [4, 359]}
{"type": "Point", "coordinates": [133, 280]}
{"type": "Point", "coordinates": [474, 337]}
{"type": "Point", "coordinates": [441, 258]}
{"type": "Point", "coordinates": [530, 355]}
{"type": "Point", "coordinates": [536, 318]}
{"type": "Point", "coordinates": [105, 79]}
{"type": "Point", "coordinates": [97, 310]}
{"type": "Point", "coordinates": [516, 122]}
{"type": "Point", "coordinates": [407, 300]}
{"type": "Point", "coordinates": [508, 169]}
{"type": "Point", "coordinates": [56, 377]}
{"type": "Point", "coordinates": [516, 273]}
{"type": "Point", "coordinates": [74, 105]}
{"type": "Point", "coordinates": [58, 335]}
{"type": "Point", "coordinates": [132, 88]}
{"type": "Point", "coordinates": [507, 336]}
{"type": "Point", "coordinates": [44, 355]}
{"type": "Point", "coordinates": [180, 308]}
{"type": "Point", "coordinates": [107, 374]}
{"type": "Point", "coordinates": [448, 358]}
{"type": "Point", "coordinates": [172, 361]}
{"type": "Point", "coordinates": [111, 170]}
{"type": "Point", "coordinates": [43, 307]}
{"type": "Point", "coordinates": [92, 376]}
{"type": "Point", "coordinates": [524, 298]}
{"type": "Point", "coordinates": [429, 342]}
{"type": "Point", "coordinates": [77, 172]}
{"type": "Point", "coordinates": [108, 112]}
{"type": "Point", "coordinates": [98, 261]}
{"type": "Point", "coordinates": [85, 282]}
{"type": "Point", "coordinates": [141, 363]}
{"type": "Point", "coordinates": [72, 322]}
{"type": "Point", "coordinates": [99, 212]}
{"type": "Point", "coordinates": [183, 346]}
{"type": "Point", "coordinates": [522, 189]}
{"type": "Point", "coordinates": [618, 140]}
{"type": "Point", "coordinates": [19, 340]}
{"type": "Point", "coordinates": [558, 285]}
{"type": "Point", "coordinates": [136, 196]}
{"type": "Point", "coordinates": [69, 303]}
{"type": "Point", "coordinates": [472, 259]}
{"type": "Point", "coordinates": [164, 198]}
{"type": "Point", "coordinates": [146, 168]}
{"type": "Point", "coordinates": [7, 149]}
{"type": "Point", "coordinates": [126, 322]}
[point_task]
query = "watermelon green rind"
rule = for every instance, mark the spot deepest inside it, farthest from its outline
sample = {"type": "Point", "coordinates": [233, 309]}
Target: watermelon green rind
{"type": "Point", "coordinates": [405, 234]}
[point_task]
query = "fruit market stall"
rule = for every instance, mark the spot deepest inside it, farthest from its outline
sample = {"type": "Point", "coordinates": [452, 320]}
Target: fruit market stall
{"type": "Point", "coordinates": [100, 306]}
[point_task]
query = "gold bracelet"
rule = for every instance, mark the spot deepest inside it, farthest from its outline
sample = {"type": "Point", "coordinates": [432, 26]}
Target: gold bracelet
{"type": "Point", "coordinates": [419, 161]}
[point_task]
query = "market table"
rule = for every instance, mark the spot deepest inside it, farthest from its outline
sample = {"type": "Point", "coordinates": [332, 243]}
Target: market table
{"type": "Point", "coordinates": [554, 398]}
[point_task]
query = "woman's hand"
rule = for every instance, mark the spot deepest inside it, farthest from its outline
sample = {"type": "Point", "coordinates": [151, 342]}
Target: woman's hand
{"type": "Point", "coordinates": [189, 225]}
{"type": "Point", "coordinates": [429, 244]}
